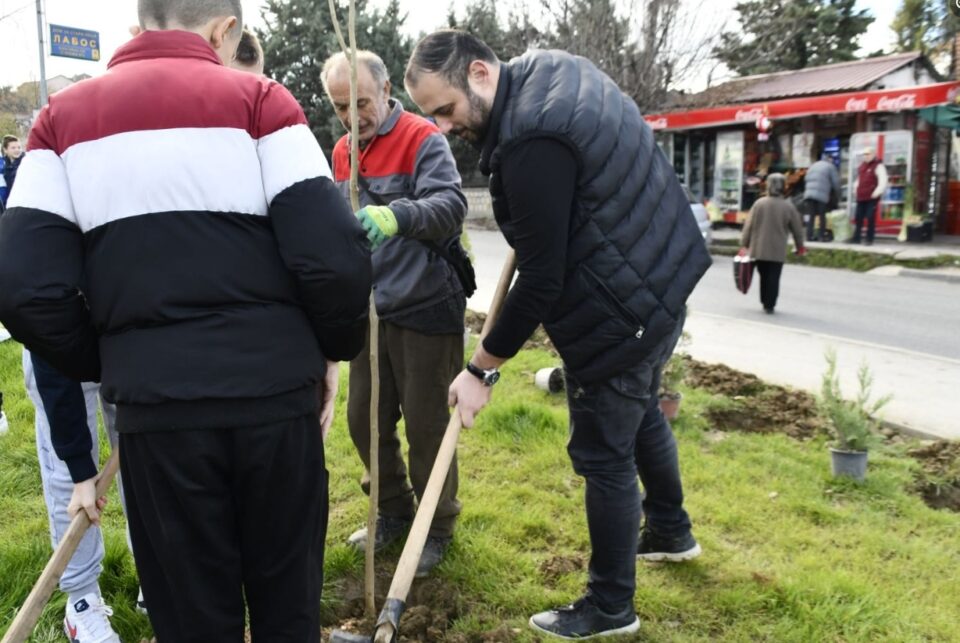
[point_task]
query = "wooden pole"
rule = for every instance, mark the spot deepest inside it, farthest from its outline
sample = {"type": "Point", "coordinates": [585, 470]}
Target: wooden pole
{"type": "Point", "coordinates": [369, 569]}
{"type": "Point", "coordinates": [407, 566]}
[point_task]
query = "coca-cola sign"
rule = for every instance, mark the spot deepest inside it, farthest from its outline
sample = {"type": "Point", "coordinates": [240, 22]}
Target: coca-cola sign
{"type": "Point", "coordinates": [861, 102]}
{"type": "Point", "coordinates": [858, 105]}
{"type": "Point", "coordinates": [748, 115]}
{"type": "Point", "coordinates": [897, 103]}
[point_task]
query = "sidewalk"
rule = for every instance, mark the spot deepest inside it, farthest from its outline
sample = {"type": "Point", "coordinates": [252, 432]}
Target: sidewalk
{"type": "Point", "coordinates": [924, 386]}
{"type": "Point", "coordinates": [941, 245]}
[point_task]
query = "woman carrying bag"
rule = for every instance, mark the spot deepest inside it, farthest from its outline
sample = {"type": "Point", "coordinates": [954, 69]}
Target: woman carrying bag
{"type": "Point", "coordinates": [771, 220]}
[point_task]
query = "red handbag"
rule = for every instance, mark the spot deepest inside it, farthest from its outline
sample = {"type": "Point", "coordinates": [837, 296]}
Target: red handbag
{"type": "Point", "coordinates": [743, 270]}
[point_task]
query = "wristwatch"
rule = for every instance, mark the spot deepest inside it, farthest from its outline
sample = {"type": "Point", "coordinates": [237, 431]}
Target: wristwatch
{"type": "Point", "coordinates": [489, 376]}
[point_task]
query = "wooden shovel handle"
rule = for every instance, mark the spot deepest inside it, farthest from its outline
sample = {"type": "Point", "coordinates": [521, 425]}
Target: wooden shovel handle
{"type": "Point", "coordinates": [417, 538]}
{"type": "Point", "coordinates": [29, 614]}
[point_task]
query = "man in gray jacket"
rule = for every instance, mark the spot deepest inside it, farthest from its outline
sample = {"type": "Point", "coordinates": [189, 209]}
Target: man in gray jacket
{"type": "Point", "coordinates": [821, 181]}
{"type": "Point", "coordinates": [412, 207]}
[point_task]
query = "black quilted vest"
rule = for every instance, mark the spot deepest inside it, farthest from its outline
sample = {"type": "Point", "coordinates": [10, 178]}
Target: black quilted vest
{"type": "Point", "coordinates": [634, 252]}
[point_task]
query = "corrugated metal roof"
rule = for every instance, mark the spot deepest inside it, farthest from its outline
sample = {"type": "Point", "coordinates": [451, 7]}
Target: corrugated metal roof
{"type": "Point", "coordinates": [828, 79]}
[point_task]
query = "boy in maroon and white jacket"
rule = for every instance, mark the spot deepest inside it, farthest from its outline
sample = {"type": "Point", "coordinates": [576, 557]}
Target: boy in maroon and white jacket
{"type": "Point", "coordinates": [176, 233]}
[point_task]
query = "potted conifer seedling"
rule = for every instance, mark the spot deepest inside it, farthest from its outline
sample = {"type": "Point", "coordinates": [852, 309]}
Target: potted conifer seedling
{"type": "Point", "coordinates": [674, 372]}
{"type": "Point", "coordinates": [852, 421]}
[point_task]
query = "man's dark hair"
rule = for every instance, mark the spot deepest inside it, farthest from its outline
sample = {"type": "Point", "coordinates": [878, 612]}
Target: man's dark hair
{"type": "Point", "coordinates": [186, 13]}
{"type": "Point", "coordinates": [249, 51]}
{"type": "Point", "coordinates": [447, 52]}
{"type": "Point", "coordinates": [7, 139]}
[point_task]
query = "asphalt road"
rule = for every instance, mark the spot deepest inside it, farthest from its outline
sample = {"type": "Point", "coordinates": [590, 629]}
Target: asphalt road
{"type": "Point", "coordinates": [907, 329]}
{"type": "Point", "coordinates": [908, 313]}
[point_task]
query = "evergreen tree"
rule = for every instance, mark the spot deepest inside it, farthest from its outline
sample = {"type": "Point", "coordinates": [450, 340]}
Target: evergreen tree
{"type": "Point", "coordinates": [299, 37]}
{"type": "Point", "coordinates": [780, 35]}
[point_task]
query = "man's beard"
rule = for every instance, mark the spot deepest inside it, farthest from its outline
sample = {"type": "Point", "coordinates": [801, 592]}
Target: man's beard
{"type": "Point", "coordinates": [476, 131]}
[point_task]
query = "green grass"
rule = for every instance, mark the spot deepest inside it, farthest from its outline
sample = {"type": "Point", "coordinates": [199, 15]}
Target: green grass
{"type": "Point", "coordinates": [790, 554]}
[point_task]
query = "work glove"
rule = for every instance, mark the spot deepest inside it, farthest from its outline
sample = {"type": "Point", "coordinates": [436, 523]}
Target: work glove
{"type": "Point", "coordinates": [379, 222]}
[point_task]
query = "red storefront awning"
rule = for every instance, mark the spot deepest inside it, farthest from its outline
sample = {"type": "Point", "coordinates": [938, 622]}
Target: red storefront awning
{"type": "Point", "coordinates": [891, 100]}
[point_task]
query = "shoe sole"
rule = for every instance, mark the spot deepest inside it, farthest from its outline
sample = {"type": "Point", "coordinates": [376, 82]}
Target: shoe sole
{"type": "Point", "coordinates": [626, 629]}
{"type": "Point", "coordinates": [675, 557]}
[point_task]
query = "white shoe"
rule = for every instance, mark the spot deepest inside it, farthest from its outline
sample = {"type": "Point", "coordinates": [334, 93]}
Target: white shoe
{"type": "Point", "coordinates": [87, 621]}
{"type": "Point", "coordinates": [4, 425]}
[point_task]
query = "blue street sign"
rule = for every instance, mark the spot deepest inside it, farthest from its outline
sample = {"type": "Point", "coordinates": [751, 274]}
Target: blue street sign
{"type": "Point", "coordinates": [74, 43]}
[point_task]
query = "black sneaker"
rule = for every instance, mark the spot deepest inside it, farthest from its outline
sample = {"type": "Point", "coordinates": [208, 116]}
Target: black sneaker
{"type": "Point", "coordinates": [433, 552]}
{"type": "Point", "coordinates": [674, 550]}
{"type": "Point", "coordinates": [584, 620]}
{"type": "Point", "coordinates": [389, 530]}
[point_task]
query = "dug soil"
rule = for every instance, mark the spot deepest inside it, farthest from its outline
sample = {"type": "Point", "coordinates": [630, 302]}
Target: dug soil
{"type": "Point", "coordinates": [939, 485]}
{"type": "Point", "coordinates": [539, 339]}
{"type": "Point", "coordinates": [757, 407]}
{"type": "Point", "coordinates": [432, 606]}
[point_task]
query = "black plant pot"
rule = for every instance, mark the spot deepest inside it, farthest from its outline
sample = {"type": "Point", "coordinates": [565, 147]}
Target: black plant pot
{"type": "Point", "coordinates": [852, 464]}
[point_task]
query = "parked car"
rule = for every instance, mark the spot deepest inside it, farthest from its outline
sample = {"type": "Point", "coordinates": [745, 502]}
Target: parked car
{"type": "Point", "coordinates": [700, 214]}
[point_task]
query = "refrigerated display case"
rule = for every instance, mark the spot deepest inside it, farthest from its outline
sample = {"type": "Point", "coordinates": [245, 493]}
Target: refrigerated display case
{"type": "Point", "coordinates": [728, 188]}
{"type": "Point", "coordinates": [895, 148]}
{"type": "Point", "coordinates": [695, 167]}
{"type": "Point", "coordinates": [680, 157]}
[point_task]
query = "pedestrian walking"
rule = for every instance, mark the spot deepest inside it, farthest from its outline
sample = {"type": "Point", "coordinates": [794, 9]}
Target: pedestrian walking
{"type": "Point", "coordinates": [413, 209]}
{"type": "Point", "coordinates": [210, 303]}
{"type": "Point", "coordinates": [607, 255]}
{"type": "Point", "coordinates": [869, 186]}
{"type": "Point", "coordinates": [821, 183]}
{"type": "Point", "coordinates": [771, 220]}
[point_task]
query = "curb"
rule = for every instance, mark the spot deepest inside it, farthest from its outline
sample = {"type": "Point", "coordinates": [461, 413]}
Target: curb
{"type": "Point", "coordinates": [912, 432]}
{"type": "Point", "coordinates": [932, 274]}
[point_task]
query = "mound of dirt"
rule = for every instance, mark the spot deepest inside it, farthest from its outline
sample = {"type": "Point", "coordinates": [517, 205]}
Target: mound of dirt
{"type": "Point", "coordinates": [539, 339]}
{"type": "Point", "coordinates": [553, 568]}
{"type": "Point", "coordinates": [432, 606]}
{"type": "Point", "coordinates": [758, 407]}
{"type": "Point", "coordinates": [722, 380]}
{"type": "Point", "coordinates": [773, 410]}
{"type": "Point", "coordinates": [939, 486]}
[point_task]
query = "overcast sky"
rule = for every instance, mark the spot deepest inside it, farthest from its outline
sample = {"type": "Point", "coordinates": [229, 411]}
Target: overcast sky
{"type": "Point", "coordinates": [20, 59]}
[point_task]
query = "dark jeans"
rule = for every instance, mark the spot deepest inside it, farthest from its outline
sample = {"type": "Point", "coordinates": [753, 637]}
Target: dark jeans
{"type": "Point", "coordinates": [769, 282]}
{"type": "Point", "coordinates": [617, 432]}
{"type": "Point", "coordinates": [219, 515]}
{"type": "Point", "coordinates": [866, 212]}
{"type": "Point", "coordinates": [415, 374]}
{"type": "Point", "coordinates": [816, 210]}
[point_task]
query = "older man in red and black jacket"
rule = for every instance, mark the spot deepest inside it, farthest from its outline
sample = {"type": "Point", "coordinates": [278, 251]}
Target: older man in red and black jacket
{"type": "Point", "coordinates": [175, 231]}
{"type": "Point", "coordinates": [413, 209]}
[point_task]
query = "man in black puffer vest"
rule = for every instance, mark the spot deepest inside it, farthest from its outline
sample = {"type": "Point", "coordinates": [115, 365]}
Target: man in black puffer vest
{"type": "Point", "coordinates": [608, 253]}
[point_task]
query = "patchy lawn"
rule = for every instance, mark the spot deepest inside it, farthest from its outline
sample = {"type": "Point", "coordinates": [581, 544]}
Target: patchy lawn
{"type": "Point", "coordinates": [790, 554]}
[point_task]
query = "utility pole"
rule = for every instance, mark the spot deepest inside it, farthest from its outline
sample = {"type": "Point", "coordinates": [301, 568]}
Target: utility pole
{"type": "Point", "coordinates": [43, 69]}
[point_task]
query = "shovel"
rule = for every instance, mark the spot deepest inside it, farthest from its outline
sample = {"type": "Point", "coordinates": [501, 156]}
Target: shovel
{"type": "Point", "coordinates": [388, 624]}
{"type": "Point", "coordinates": [29, 614]}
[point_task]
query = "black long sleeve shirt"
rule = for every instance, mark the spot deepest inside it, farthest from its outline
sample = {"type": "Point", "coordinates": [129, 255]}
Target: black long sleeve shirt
{"type": "Point", "coordinates": [539, 179]}
{"type": "Point", "coordinates": [66, 409]}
